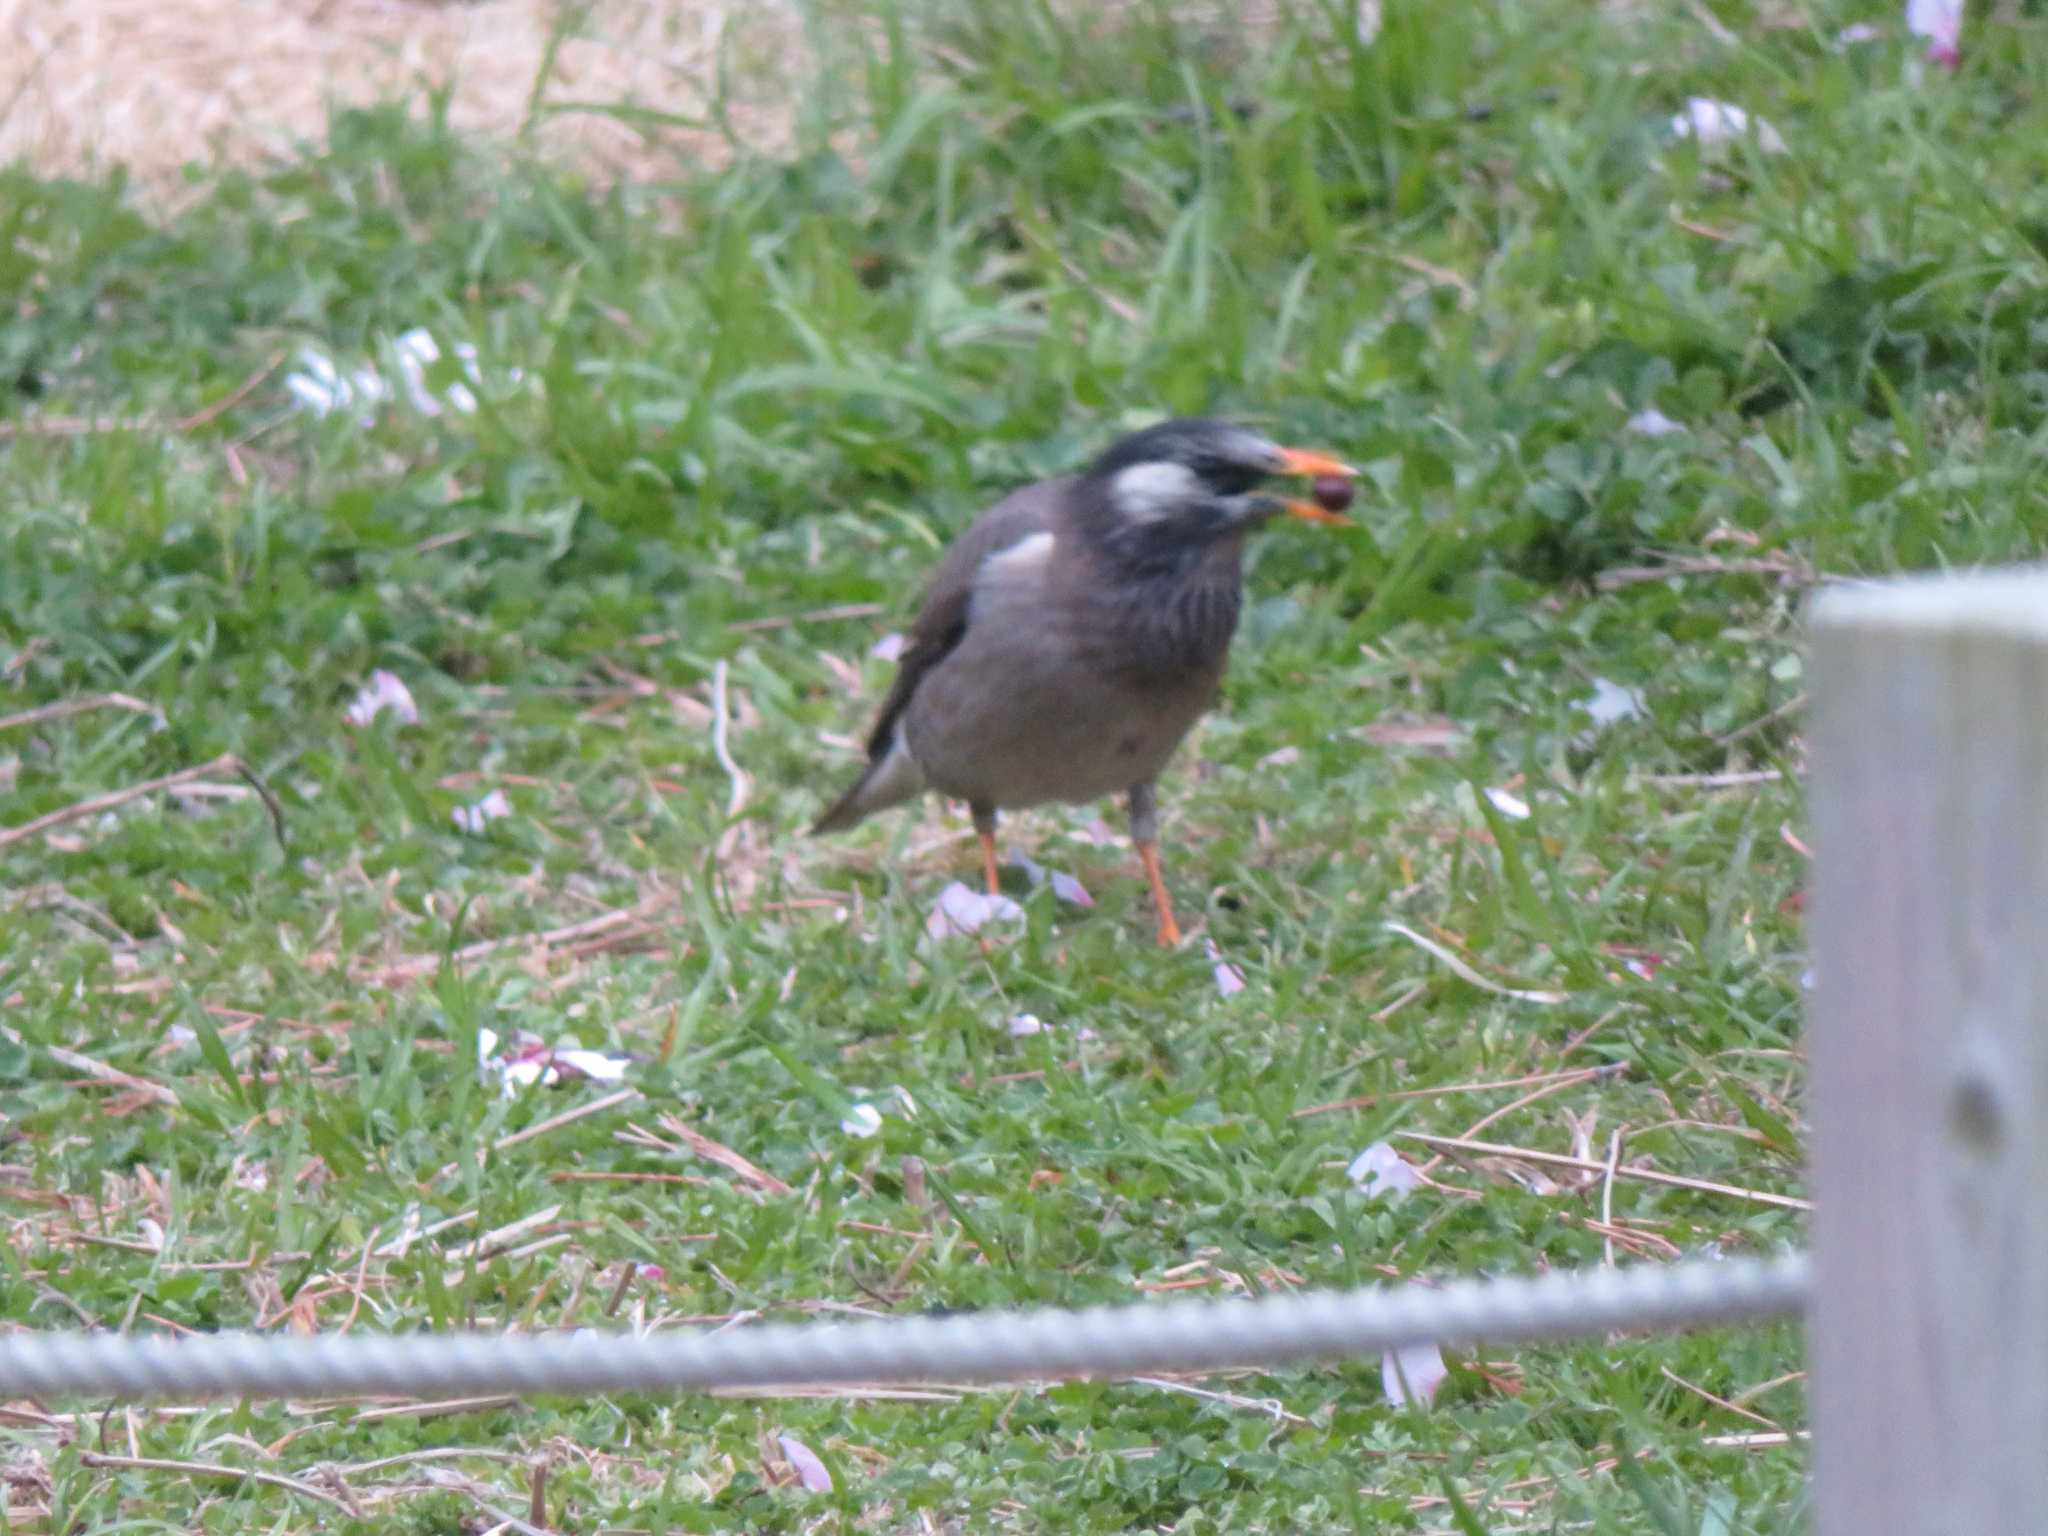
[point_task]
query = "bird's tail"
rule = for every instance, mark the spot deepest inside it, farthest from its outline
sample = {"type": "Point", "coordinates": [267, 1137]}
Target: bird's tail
{"type": "Point", "coordinates": [889, 779]}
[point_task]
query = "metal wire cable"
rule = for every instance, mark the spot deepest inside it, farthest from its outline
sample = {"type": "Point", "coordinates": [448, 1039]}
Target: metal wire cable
{"type": "Point", "coordinates": [1140, 1339]}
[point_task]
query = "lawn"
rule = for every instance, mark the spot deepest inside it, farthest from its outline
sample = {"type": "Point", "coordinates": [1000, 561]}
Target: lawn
{"type": "Point", "coordinates": [1622, 396]}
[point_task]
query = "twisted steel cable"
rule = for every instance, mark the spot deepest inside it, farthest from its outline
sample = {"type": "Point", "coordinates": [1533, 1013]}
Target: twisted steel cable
{"type": "Point", "coordinates": [1147, 1338]}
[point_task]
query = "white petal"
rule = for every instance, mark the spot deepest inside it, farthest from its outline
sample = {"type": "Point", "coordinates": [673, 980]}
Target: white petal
{"type": "Point", "coordinates": [1380, 1170]}
{"type": "Point", "coordinates": [384, 691]}
{"type": "Point", "coordinates": [593, 1064]}
{"type": "Point", "coordinates": [1228, 978]}
{"type": "Point", "coordinates": [1412, 1374]}
{"type": "Point", "coordinates": [1941, 23]}
{"type": "Point", "coordinates": [1713, 124]}
{"type": "Point", "coordinates": [810, 1471]}
{"type": "Point", "coordinates": [1510, 805]}
{"type": "Point", "coordinates": [1610, 702]}
{"type": "Point", "coordinates": [863, 1120]}
{"type": "Point", "coordinates": [1651, 422]}
{"type": "Point", "coordinates": [961, 910]}
{"type": "Point", "coordinates": [888, 648]}
{"type": "Point", "coordinates": [474, 818]}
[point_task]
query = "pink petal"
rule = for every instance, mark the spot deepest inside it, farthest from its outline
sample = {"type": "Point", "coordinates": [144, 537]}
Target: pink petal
{"type": "Point", "coordinates": [1064, 885]}
{"type": "Point", "coordinates": [888, 648]}
{"type": "Point", "coordinates": [384, 691]}
{"type": "Point", "coordinates": [1229, 979]}
{"type": "Point", "coordinates": [1941, 23]}
{"type": "Point", "coordinates": [1411, 1374]}
{"type": "Point", "coordinates": [474, 818]}
{"type": "Point", "coordinates": [810, 1471]}
{"type": "Point", "coordinates": [1380, 1170]}
{"type": "Point", "coordinates": [962, 910]}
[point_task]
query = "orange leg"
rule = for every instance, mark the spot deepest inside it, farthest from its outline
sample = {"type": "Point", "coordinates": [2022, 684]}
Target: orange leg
{"type": "Point", "coordinates": [988, 862]}
{"type": "Point", "coordinates": [1169, 930]}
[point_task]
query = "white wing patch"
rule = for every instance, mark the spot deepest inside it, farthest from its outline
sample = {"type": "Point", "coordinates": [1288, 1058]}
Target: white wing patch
{"type": "Point", "coordinates": [1022, 559]}
{"type": "Point", "coordinates": [1145, 493]}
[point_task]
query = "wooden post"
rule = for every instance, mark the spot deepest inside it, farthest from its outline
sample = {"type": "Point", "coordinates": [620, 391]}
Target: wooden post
{"type": "Point", "coordinates": [1929, 1334]}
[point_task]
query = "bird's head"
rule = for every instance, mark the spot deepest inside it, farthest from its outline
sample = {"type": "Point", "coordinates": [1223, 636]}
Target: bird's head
{"type": "Point", "coordinates": [1185, 483]}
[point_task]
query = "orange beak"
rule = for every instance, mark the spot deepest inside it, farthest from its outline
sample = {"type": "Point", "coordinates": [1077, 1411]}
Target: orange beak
{"type": "Point", "coordinates": [1309, 512]}
{"type": "Point", "coordinates": [1297, 461]}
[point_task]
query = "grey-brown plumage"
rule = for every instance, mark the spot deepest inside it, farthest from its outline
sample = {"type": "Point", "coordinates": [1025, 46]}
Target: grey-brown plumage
{"type": "Point", "coordinates": [1072, 636]}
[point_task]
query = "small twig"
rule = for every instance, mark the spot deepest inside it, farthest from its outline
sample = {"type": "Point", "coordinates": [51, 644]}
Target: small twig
{"type": "Point", "coordinates": [719, 1153]}
{"type": "Point", "coordinates": [414, 966]}
{"type": "Point", "coordinates": [1607, 1196]}
{"type": "Point", "coordinates": [815, 616]}
{"type": "Point", "coordinates": [413, 1458]}
{"type": "Point", "coordinates": [1492, 1117]}
{"type": "Point", "coordinates": [106, 1074]}
{"type": "Point", "coordinates": [1464, 970]}
{"type": "Point", "coordinates": [1783, 567]}
{"type": "Point", "coordinates": [212, 1469]}
{"type": "Point", "coordinates": [1738, 780]}
{"type": "Point", "coordinates": [1443, 277]}
{"type": "Point", "coordinates": [1719, 1402]}
{"type": "Point", "coordinates": [736, 797]}
{"type": "Point", "coordinates": [1763, 721]}
{"type": "Point", "coordinates": [434, 1410]}
{"type": "Point", "coordinates": [1366, 1101]}
{"type": "Point", "coordinates": [1270, 1407]}
{"type": "Point", "coordinates": [65, 707]}
{"type": "Point", "coordinates": [1592, 1165]}
{"type": "Point", "coordinates": [93, 426]}
{"type": "Point", "coordinates": [227, 762]}
{"type": "Point", "coordinates": [567, 1117]}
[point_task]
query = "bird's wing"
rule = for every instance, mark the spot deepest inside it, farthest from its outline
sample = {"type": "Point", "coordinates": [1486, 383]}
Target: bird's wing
{"type": "Point", "coordinates": [942, 615]}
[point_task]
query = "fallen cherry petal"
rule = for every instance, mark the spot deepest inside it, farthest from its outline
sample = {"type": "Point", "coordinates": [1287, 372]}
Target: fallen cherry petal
{"type": "Point", "coordinates": [591, 1064]}
{"type": "Point", "coordinates": [1064, 885]}
{"type": "Point", "coordinates": [1411, 1374]}
{"type": "Point", "coordinates": [474, 818]}
{"type": "Point", "coordinates": [1229, 979]}
{"type": "Point", "coordinates": [960, 910]}
{"type": "Point", "coordinates": [888, 648]}
{"type": "Point", "coordinates": [385, 690]}
{"type": "Point", "coordinates": [1510, 805]}
{"type": "Point", "coordinates": [1609, 703]}
{"type": "Point", "coordinates": [810, 1471]}
{"type": "Point", "coordinates": [1380, 1170]}
{"type": "Point", "coordinates": [863, 1121]}
{"type": "Point", "coordinates": [1712, 124]}
{"type": "Point", "coordinates": [1024, 1025]}
{"type": "Point", "coordinates": [1941, 23]}
{"type": "Point", "coordinates": [1651, 422]}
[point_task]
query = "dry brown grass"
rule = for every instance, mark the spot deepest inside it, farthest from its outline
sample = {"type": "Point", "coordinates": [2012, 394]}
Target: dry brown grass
{"type": "Point", "coordinates": [159, 85]}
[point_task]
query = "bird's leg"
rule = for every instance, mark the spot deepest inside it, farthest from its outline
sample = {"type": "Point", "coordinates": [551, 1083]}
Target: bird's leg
{"type": "Point", "coordinates": [1145, 833]}
{"type": "Point", "coordinates": [985, 829]}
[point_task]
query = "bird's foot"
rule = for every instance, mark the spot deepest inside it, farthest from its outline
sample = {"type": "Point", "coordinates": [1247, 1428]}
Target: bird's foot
{"type": "Point", "coordinates": [1169, 930]}
{"type": "Point", "coordinates": [988, 864]}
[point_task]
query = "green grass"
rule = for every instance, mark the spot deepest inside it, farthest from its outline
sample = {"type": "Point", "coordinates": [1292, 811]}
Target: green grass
{"type": "Point", "coordinates": [1462, 256]}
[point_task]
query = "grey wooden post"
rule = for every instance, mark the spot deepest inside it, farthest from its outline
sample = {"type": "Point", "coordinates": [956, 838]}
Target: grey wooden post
{"type": "Point", "coordinates": [1929, 1045]}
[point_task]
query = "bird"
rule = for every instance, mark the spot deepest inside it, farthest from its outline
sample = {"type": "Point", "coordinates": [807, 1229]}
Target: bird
{"type": "Point", "coordinates": [1071, 637]}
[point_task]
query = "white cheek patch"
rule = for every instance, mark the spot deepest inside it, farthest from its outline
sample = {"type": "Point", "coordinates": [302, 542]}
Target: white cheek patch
{"type": "Point", "coordinates": [1145, 493]}
{"type": "Point", "coordinates": [1023, 558]}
